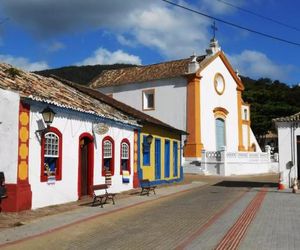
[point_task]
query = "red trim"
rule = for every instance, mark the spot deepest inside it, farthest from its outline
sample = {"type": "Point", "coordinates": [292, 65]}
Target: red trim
{"type": "Point", "coordinates": [19, 197]}
{"type": "Point", "coordinates": [128, 160]}
{"type": "Point", "coordinates": [112, 161]}
{"type": "Point", "coordinates": [90, 162]}
{"type": "Point", "coordinates": [58, 175]}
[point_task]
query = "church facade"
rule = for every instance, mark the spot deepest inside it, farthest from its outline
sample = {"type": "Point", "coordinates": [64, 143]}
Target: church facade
{"type": "Point", "coordinates": [201, 95]}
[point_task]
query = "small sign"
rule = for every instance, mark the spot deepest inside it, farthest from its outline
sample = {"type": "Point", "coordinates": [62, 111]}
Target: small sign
{"type": "Point", "coordinates": [101, 128]}
{"type": "Point", "coordinates": [51, 180]}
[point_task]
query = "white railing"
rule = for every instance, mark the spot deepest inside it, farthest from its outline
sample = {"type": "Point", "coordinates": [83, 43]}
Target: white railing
{"type": "Point", "coordinates": [225, 156]}
{"type": "Point", "coordinates": [228, 163]}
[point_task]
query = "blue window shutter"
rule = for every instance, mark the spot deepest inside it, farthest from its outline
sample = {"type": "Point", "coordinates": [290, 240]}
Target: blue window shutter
{"type": "Point", "coordinates": [146, 152]}
{"type": "Point", "coordinates": [175, 158]}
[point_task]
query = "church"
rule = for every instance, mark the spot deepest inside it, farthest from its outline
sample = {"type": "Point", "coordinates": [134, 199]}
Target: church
{"type": "Point", "coordinates": [200, 94]}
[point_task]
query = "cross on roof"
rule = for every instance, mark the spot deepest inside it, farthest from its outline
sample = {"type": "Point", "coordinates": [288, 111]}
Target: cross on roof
{"type": "Point", "coordinates": [214, 28]}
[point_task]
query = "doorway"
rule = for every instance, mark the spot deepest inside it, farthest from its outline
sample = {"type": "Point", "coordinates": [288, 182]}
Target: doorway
{"type": "Point", "coordinates": [220, 134]}
{"type": "Point", "coordinates": [157, 159]}
{"type": "Point", "coordinates": [86, 164]}
{"type": "Point", "coordinates": [167, 158]}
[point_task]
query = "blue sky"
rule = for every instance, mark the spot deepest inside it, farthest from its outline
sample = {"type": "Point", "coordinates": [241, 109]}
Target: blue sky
{"type": "Point", "coordinates": [41, 34]}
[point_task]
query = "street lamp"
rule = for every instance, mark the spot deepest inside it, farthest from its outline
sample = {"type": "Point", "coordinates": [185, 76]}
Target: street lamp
{"type": "Point", "coordinates": [48, 116]}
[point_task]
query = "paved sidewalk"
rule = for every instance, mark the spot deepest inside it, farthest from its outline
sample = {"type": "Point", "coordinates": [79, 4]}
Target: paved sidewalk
{"type": "Point", "coordinates": [277, 224]}
{"type": "Point", "coordinates": [50, 223]}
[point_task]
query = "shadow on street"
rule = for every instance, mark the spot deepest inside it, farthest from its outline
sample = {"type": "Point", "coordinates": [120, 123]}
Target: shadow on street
{"type": "Point", "coordinates": [250, 184]}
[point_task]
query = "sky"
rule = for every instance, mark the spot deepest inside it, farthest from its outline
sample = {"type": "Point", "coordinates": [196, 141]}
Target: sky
{"type": "Point", "coordinates": [43, 34]}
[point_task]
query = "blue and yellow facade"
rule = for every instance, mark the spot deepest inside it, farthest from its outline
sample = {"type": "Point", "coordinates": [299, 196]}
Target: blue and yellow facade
{"type": "Point", "coordinates": [160, 160]}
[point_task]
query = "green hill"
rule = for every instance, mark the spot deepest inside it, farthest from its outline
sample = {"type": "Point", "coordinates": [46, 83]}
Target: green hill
{"type": "Point", "coordinates": [81, 74]}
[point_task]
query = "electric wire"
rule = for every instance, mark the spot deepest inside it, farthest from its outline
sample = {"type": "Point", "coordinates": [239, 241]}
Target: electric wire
{"type": "Point", "coordinates": [259, 15]}
{"type": "Point", "coordinates": [233, 24]}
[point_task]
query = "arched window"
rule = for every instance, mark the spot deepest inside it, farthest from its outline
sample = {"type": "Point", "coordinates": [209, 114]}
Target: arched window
{"type": "Point", "coordinates": [125, 156]}
{"type": "Point", "coordinates": [51, 154]}
{"type": "Point", "coordinates": [220, 133]}
{"type": "Point", "coordinates": [108, 156]}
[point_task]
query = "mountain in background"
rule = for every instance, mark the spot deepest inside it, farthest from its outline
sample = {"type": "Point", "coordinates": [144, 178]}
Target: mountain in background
{"type": "Point", "coordinates": [81, 74]}
{"type": "Point", "coordinates": [268, 99]}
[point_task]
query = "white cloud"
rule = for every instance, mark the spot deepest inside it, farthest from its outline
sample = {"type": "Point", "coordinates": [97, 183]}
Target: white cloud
{"type": "Point", "coordinates": [160, 28]}
{"type": "Point", "coordinates": [256, 64]}
{"type": "Point", "coordinates": [103, 56]}
{"type": "Point", "coordinates": [171, 31]}
{"type": "Point", "coordinates": [55, 46]}
{"type": "Point", "coordinates": [220, 6]}
{"type": "Point", "coordinates": [24, 63]}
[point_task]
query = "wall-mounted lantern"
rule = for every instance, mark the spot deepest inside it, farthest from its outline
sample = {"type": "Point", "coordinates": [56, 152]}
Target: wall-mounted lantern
{"type": "Point", "coordinates": [149, 139]}
{"type": "Point", "coordinates": [48, 116]}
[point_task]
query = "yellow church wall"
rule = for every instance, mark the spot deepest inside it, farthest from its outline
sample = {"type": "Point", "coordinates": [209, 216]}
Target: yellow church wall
{"type": "Point", "coordinates": [148, 171]}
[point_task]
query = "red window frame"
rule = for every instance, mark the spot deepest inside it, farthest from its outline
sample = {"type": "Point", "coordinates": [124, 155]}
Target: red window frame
{"type": "Point", "coordinates": [112, 160]}
{"type": "Point", "coordinates": [58, 174]}
{"type": "Point", "coordinates": [129, 156]}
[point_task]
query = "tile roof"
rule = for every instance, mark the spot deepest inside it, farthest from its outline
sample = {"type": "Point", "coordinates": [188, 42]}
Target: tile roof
{"type": "Point", "coordinates": [142, 117]}
{"type": "Point", "coordinates": [53, 91]}
{"type": "Point", "coordinates": [143, 73]}
{"type": "Point", "coordinates": [291, 118]}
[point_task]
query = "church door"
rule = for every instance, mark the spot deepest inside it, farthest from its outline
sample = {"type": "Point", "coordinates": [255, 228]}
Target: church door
{"type": "Point", "coordinates": [220, 133]}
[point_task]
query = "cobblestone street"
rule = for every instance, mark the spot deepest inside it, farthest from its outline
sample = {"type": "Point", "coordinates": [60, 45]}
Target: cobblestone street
{"type": "Point", "coordinates": [233, 213]}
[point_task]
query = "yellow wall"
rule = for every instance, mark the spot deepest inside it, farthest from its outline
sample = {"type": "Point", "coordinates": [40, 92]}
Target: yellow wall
{"type": "Point", "coordinates": [149, 171]}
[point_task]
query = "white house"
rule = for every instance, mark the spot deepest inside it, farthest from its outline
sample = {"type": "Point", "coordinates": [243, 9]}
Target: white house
{"type": "Point", "coordinates": [201, 95]}
{"type": "Point", "coordinates": [87, 142]}
{"type": "Point", "coordinates": [289, 148]}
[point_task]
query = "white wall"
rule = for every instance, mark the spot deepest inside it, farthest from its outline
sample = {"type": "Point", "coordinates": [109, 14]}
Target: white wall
{"type": "Point", "coordinates": [245, 135]}
{"type": "Point", "coordinates": [9, 131]}
{"type": "Point", "coordinates": [210, 100]}
{"type": "Point", "coordinates": [72, 125]}
{"type": "Point", "coordinates": [286, 145]}
{"type": "Point", "coordinates": [253, 140]}
{"type": "Point", "coordinates": [170, 99]}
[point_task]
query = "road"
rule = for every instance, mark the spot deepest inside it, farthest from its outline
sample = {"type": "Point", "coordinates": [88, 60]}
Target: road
{"type": "Point", "coordinates": [196, 219]}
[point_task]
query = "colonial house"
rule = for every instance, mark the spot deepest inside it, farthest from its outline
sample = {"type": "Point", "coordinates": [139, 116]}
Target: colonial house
{"type": "Point", "coordinates": [60, 141]}
{"type": "Point", "coordinates": [158, 153]}
{"type": "Point", "coordinates": [289, 148]}
{"type": "Point", "coordinates": [201, 95]}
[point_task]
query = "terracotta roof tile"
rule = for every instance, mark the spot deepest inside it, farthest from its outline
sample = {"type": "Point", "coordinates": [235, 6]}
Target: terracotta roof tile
{"type": "Point", "coordinates": [143, 73]}
{"type": "Point", "coordinates": [142, 117]}
{"type": "Point", "coordinates": [53, 91]}
{"type": "Point", "coordinates": [291, 118]}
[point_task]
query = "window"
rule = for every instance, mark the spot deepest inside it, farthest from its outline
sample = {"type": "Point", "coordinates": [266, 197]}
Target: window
{"type": "Point", "coordinates": [146, 152]}
{"type": "Point", "coordinates": [245, 114]}
{"type": "Point", "coordinates": [51, 154]}
{"type": "Point", "coordinates": [107, 156]}
{"type": "Point", "coordinates": [125, 155]}
{"type": "Point", "coordinates": [148, 99]}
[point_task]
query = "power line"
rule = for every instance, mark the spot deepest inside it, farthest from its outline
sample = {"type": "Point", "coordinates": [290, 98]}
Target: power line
{"type": "Point", "coordinates": [259, 15]}
{"type": "Point", "coordinates": [233, 24]}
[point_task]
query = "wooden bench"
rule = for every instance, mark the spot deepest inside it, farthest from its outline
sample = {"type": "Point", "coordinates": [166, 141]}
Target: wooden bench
{"type": "Point", "coordinates": [102, 198]}
{"type": "Point", "coordinates": [147, 187]}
